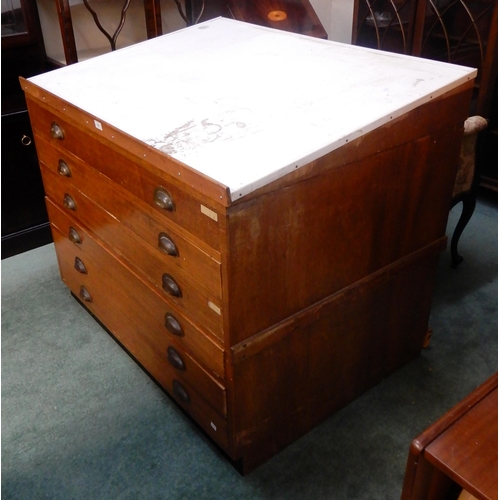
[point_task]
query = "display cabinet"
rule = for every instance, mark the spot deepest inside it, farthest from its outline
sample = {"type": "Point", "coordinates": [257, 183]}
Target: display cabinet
{"type": "Point", "coordinates": [289, 15]}
{"type": "Point", "coordinates": [457, 31]}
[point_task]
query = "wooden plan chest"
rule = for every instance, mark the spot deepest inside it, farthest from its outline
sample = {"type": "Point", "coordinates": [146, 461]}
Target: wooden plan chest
{"type": "Point", "coordinates": [261, 306]}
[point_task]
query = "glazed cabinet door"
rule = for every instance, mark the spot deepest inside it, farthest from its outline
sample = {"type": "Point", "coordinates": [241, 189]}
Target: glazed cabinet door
{"type": "Point", "coordinates": [456, 31]}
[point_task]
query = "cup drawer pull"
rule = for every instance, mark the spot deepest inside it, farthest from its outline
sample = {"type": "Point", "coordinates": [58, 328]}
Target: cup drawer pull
{"type": "Point", "coordinates": [80, 266]}
{"type": "Point", "coordinates": [170, 285]}
{"type": "Point", "coordinates": [180, 393]}
{"type": "Point", "coordinates": [175, 359]}
{"type": "Point", "coordinates": [73, 236]}
{"type": "Point", "coordinates": [56, 131]}
{"type": "Point", "coordinates": [69, 202]}
{"type": "Point", "coordinates": [166, 245]}
{"type": "Point", "coordinates": [85, 295]}
{"type": "Point", "coordinates": [63, 169]}
{"type": "Point", "coordinates": [173, 326]}
{"type": "Point", "coordinates": [163, 199]}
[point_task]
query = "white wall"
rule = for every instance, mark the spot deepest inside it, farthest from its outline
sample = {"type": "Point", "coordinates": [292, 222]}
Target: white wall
{"type": "Point", "coordinates": [336, 18]}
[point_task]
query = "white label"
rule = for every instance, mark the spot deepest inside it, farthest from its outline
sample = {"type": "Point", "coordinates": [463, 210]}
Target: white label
{"type": "Point", "coordinates": [214, 427]}
{"type": "Point", "coordinates": [209, 213]}
{"type": "Point", "coordinates": [214, 307]}
{"type": "Point", "coordinates": [97, 125]}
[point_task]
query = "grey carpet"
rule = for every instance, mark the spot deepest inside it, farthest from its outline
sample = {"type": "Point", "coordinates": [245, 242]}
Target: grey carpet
{"type": "Point", "coordinates": [80, 420]}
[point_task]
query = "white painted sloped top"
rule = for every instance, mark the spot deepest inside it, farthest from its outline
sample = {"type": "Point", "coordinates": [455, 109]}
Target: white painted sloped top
{"type": "Point", "coordinates": [244, 104]}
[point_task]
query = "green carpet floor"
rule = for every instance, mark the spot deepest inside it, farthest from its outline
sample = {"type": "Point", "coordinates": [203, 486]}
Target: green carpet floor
{"type": "Point", "coordinates": [80, 420]}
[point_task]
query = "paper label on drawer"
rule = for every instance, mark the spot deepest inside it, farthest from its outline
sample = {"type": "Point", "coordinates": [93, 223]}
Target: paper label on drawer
{"type": "Point", "coordinates": [214, 307]}
{"type": "Point", "coordinates": [209, 213]}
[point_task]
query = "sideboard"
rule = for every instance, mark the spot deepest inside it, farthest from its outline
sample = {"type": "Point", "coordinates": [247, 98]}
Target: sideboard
{"type": "Point", "coordinates": [255, 215]}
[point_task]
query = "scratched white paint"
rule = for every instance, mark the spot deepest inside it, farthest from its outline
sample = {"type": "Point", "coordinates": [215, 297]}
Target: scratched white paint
{"type": "Point", "coordinates": [245, 105]}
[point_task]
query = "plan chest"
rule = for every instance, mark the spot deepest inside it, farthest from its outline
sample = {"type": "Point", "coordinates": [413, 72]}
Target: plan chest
{"type": "Point", "coordinates": [260, 310]}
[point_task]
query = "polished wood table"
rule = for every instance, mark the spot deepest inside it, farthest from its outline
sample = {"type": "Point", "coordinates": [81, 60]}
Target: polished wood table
{"type": "Point", "coordinates": [459, 453]}
{"type": "Point", "coordinates": [256, 215]}
{"type": "Point", "coordinates": [288, 15]}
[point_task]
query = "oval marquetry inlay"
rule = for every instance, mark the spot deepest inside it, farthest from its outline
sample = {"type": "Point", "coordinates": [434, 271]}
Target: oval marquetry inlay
{"type": "Point", "coordinates": [277, 15]}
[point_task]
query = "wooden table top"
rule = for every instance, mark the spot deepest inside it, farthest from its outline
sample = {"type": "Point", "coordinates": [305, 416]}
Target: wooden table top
{"type": "Point", "coordinates": [297, 16]}
{"type": "Point", "coordinates": [468, 450]}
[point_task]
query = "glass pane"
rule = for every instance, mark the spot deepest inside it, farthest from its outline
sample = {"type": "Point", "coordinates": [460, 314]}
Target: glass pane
{"type": "Point", "coordinates": [385, 24]}
{"type": "Point", "coordinates": [13, 22]}
{"type": "Point", "coordinates": [457, 31]}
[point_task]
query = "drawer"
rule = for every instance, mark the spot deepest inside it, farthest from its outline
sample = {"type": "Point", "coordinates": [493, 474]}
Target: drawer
{"type": "Point", "coordinates": [103, 291]}
{"type": "Point", "coordinates": [164, 320]}
{"type": "Point", "coordinates": [177, 287]}
{"type": "Point", "coordinates": [174, 249]}
{"type": "Point", "coordinates": [142, 180]}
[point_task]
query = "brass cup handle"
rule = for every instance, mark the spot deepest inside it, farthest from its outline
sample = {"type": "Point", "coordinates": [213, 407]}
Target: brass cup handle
{"type": "Point", "coordinates": [56, 131]}
{"type": "Point", "coordinates": [73, 236]}
{"type": "Point", "coordinates": [167, 245]}
{"type": "Point", "coordinates": [179, 392]}
{"type": "Point", "coordinates": [163, 199]}
{"type": "Point", "coordinates": [69, 202]}
{"type": "Point", "coordinates": [85, 295]}
{"type": "Point", "coordinates": [80, 266]}
{"type": "Point", "coordinates": [25, 140]}
{"type": "Point", "coordinates": [63, 169]}
{"type": "Point", "coordinates": [170, 285]}
{"type": "Point", "coordinates": [175, 359]}
{"type": "Point", "coordinates": [173, 326]}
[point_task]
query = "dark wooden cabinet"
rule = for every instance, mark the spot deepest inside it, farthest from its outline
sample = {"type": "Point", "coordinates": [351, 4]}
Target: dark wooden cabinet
{"type": "Point", "coordinates": [23, 52]}
{"type": "Point", "coordinates": [24, 216]}
{"type": "Point", "coordinates": [487, 149]}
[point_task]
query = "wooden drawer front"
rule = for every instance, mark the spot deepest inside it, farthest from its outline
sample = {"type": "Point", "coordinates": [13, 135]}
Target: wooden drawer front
{"type": "Point", "coordinates": [137, 178]}
{"type": "Point", "coordinates": [106, 283]}
{"type": "Point", "coordinates": [202, 267]}
{"type": "Point", "coordinates": [193, 300]}
{"type": "Point", "coordinates": [130, 336]}
{"type": "Point", "coordinates": [161, 317]}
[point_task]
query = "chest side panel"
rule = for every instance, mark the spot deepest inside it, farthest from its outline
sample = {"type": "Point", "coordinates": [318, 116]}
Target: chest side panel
{"type": "Point", "coordinates": [304, 242]}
